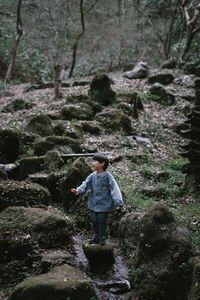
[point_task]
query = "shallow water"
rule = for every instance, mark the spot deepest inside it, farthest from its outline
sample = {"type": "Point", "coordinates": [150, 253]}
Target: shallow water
{"type": "Point", "coordinates": [111, 282]}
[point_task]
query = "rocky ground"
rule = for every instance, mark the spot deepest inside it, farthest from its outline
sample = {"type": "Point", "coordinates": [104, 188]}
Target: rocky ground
{"type": "Point", "coordinates": [143, 149]}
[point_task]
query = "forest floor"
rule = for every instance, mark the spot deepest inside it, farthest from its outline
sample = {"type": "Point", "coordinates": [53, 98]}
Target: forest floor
{"type": "Point", "coordinates": [147, 169]}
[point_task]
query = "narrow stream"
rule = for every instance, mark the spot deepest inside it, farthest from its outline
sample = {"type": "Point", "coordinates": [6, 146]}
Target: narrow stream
{"type": "Point", "coordinates": [111, 283]}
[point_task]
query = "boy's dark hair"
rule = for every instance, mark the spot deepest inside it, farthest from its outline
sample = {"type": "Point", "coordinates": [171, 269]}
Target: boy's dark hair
{"type": "Point", "coordinates": [102, 159]}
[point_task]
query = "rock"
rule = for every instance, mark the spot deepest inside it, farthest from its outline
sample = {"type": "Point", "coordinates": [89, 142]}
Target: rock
{"type": "Point", "coordinates": [52, 259]}
{"type": "Point", "coordinates": [161, 94]}
{"type": "Point", "coordinates": [53, 160]}
{"type": "Point", "coordinates": [11, 170]}
{"type": "Point", "coordinates": [192, 68]}
{"type": "Point", "coordinates": [140, 71]}
{"type": "Point", "coordinates": [169, 64]}
{"type": "Point", "coordinates": [195, 290]}
{"type": "Point", "coordinates": [114, 119]}
{"type": "Point", "coordinates": [129, 230]}
{"type": "Point", "coordinates": [99, 255]}
{"type": "Point", "coordinates": [3, 175]}
{"type": "Point", "coordinates": [31, 165]}
{"type": "Point", "coordinates": [100, 90]}
{"type": "Point", "coordinates": [163, 257]}
{"type": "Point", "coordinates": [81, 111]}
{"type": "Point", "coordinates": [63, 282]}
{"type": "Point", "coordinates": [92, 127]}
{"type": "Point", "coordinates": [41, 146]}
{"type": "Point", "coordinates": [163, 78]}
{"type": "Point", "coordinates": [22, 193]}
{"type": "Point", "coordinates": [27, 231]}
{"type": "Point", "coordinates": [40, 124]}
{"type": "Point", "coordinates": [39, 178]}
{"type": "Point", "coordinates": [67, 144]}
{"type": "Point", "coordinates": [17, 104]}
{"type": "Point", "coordinates": [10, 142]}
{"type": "Point", "coordinates": [79, 171]}
{"type": "Point", "coordinates": [66, 129]}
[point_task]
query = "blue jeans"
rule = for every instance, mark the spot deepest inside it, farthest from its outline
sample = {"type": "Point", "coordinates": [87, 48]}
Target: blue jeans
{"type": "Point", "coordinates": [99, 222]}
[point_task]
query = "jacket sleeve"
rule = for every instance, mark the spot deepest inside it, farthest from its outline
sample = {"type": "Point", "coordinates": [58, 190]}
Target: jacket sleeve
{"type": "Point", "coordinates": [85, 185]}
{"type": "Point", "coordinates": [115, 191]}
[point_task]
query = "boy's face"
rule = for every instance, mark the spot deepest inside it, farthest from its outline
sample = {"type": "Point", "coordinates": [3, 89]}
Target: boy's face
{"type": "Point", "coordinates": [97, 166]}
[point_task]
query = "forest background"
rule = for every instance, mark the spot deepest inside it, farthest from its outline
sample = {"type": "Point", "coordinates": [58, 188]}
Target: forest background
{"type": "Point", "coordinates": [40, 40]}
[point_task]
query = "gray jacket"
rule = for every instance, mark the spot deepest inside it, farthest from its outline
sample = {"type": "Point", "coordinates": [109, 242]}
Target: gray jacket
{"type": "Point", "coordinates": [104, 192]}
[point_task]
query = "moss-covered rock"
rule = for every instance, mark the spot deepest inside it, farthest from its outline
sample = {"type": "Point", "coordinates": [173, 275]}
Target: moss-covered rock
{"type": "Point", "coordinates": [74, 144]}
{"type": "Point", "coordinates": [98, 255]}
{"type": "Point", "coordinates": [129, 230]}
{"type": "Point", "coordinates": [31, 165]}
{"type": "Point", "coordinates": [100, 90]}
{"type": "Point", "coordinates": [50, 259]}
{"type": "Point", "coordinates": [17, 104]}
{"type": "Point", "coordinates": [81, 111]}
{"type": "Point", "coordinates": [63, 282]}
{"type": "Point", "coordinates": [163, 267]}
{"type": "Point", "coordinates": [161, 95]}
{"type": "Point", "coordinates": [114, 120]}
{"type": "Point", "coordinates": [53, 160]}
{"type": "Point", "coordinates": [79, 171]}
{"type": "Point", "coordinates": [161, 77]}
{"type": "Point", "coordinates": [41, 146]}
{"type": "Point", "coordinates": [22, 193]}
{"type": "Point", "coordinates": [62, 127]}
{"type": "Point", "coordinates": [26, 231]}
{"type": "Point", "coordinates": [10, 142]}
{"type": "Point", "coordinates": [40, 124]}
{"type": "Point", "coordinates": [92, 127]}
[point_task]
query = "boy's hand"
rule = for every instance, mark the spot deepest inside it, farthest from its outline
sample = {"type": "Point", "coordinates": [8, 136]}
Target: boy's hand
{"type": "Point", "coordinates": [74, 191]}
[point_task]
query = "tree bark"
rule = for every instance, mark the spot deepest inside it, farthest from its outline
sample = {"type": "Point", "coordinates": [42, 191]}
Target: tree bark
{"type": "Point", "coordinates": [20, 33]}
{"type": "Point", "coordinates": [75, 47]}
{"type": "Point", "coordinates": [57, 81]}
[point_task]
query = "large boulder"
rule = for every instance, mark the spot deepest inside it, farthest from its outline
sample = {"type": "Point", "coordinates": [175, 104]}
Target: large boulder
{"type": "Point", "coordinates": [163, 265]}
{"type": "Point", "coordinates": [195, 290]}
{"type": "Point", "coordinates": [30, 165]}
{"type": "Point", "coordinates": [42, 145]}
{"type": "Point", "coordinates": [140, 71]}
{"type": "Point", "coordinates": [63, 282]}
{"type": "Point", "coordinates": [27, 231]}
{"type": "Point", "coordinates": [169, 64]}
{"type": "Point", "coordinates": [113, 119]}
{"type": "Point", "coordinates": [40, 124]}
{"type": "Point", "coordinates": [100, 90]}
{"type": "Point", "coordinates": [10, 143]}
{"type": "Point", "coordinates": [17, 104]}
{"type": "Point", "coordinates": [80, 111]}
{"type": "Point", "coordinates": [78, 172]}
{"type": "Point", "coordinates": [192, 68]}
{"type": "Point", "coordinates": [161, 95]}
{"type": "Point", "coordinates": [22, 193]}
{"type": "Point", "coordinates": [130, 229]}
{"type": "Point", "coordinates": [161, 77]}
{"type": "Point", "coordinates": [25, 234]}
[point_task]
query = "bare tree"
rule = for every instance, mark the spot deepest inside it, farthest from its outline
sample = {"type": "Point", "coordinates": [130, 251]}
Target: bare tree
{"type": "Point", "coordinates": [191, 15]}
{"type": "Point", "coordinates": [20, 33]}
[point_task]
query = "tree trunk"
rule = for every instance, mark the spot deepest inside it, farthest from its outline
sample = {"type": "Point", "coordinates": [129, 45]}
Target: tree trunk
{"type": "Point", "coordinates": [57, 81]}
{"type": "Point", "coordinates": [75, 47]}
{"type": "Point", "coordinates": [20, 33]}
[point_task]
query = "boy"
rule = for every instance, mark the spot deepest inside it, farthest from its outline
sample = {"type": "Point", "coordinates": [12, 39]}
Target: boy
{"type": "Point", "coordinates": [104, 196]}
